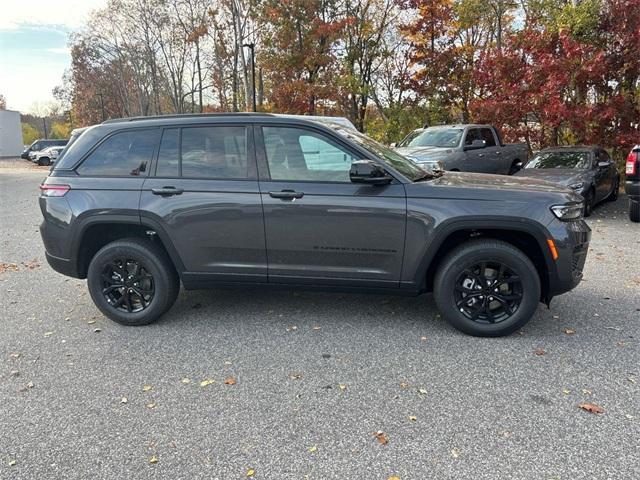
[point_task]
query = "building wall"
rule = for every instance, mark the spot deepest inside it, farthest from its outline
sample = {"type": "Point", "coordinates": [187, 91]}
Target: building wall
{"type": "Point", "coordinates": [10, 134]}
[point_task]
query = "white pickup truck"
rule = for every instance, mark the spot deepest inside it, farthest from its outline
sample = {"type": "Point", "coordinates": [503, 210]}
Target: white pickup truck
{"type": "Point", "coordinates": [464, 148]}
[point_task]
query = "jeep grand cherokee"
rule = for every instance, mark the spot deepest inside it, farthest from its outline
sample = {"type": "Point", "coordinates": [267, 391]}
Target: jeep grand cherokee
{"type": "Point", "coordinates": [137, 206]}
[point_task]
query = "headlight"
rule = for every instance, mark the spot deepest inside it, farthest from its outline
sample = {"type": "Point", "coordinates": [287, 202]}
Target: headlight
{"type": "Point", "coordinates": [576, 186]}
{"type": "Point", "coordinates": [568, 211]}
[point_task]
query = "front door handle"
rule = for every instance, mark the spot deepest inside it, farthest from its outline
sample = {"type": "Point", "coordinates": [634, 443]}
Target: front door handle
{"type": "Point", "coordinates": [167, 191]}
{"type": "Point", "coordinates": [286, 194]}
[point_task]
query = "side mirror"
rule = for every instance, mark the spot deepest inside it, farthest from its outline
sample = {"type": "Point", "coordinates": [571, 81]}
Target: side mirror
{"type": "Point", "coordinates": [393, 145]}
{"type": "Point", "coordinates": [476, 145]}
{"type": "Point", "coordinates": [367, 171]}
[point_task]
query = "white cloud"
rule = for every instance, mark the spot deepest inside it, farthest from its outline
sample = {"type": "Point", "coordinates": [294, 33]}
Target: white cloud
{"type": "Point", "coordinates": [69, 13]}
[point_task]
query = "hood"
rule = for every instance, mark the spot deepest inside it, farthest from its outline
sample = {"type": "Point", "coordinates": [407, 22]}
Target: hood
{"type": "Point", "coordinates": [562, 176]}
{"type": "Point", "coordinates": [497, 182]}
{"type": "Point", "coordinates": [424, 154]}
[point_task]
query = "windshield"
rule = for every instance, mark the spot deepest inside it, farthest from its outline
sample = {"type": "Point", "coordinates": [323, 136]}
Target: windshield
{"type": "Point", "coordinates": [437, 137]}
{"type": "Point", "coordinates": [407, 140]}
{"type": "Point", "coordinates": [577, 160]}
{"type": "Point", "coordinates": [402, 164]}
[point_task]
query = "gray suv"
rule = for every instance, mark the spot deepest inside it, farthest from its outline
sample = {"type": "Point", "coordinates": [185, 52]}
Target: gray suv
{"type": "Point", "coordinates": [137, 206]}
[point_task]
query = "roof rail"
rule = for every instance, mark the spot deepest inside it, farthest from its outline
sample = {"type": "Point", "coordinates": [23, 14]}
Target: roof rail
{"type": "Point", "coordinates": [187, 115]}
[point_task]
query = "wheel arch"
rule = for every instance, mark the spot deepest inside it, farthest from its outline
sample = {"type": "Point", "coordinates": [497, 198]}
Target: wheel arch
{"type": "Point", "coordinates": [95, 233]}
{"type": "Point", "coordinates": [528, 236]}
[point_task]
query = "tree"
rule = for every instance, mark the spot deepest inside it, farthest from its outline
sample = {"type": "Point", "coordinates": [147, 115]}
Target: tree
{"type": "Point", "coordinates": [299, 57]}
{"type": "Point", "coordinates": [3, 102]}
{"type": "Point", "coordinates": [29, 133]}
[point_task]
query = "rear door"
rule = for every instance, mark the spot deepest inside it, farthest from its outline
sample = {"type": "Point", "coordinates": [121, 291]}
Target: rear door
{"type": "Point", "coordinates": [321, 228]}
{"type": "Point", "coordinates": [205, 197]}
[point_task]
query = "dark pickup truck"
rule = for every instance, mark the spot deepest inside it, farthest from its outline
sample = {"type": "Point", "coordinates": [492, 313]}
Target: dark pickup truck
{"type": "Point", "coordinates": [138, 206]}
{"type": "Point", "coordinates": [464, 148]}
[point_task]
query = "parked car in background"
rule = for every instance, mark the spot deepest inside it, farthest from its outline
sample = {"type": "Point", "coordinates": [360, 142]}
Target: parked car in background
{"type": "Point", "coordinates": [632, 183]}
{"type": "Point", "coordinates": [47, 156]}
{"type": "Point", "coordinates": [30, 152]}
{"type": "Point", "coordinates": [138, 206]}
{"type": "Point", "coordinates": [463, 148]}
{"type": "Point", "coordinates": [587, 170]}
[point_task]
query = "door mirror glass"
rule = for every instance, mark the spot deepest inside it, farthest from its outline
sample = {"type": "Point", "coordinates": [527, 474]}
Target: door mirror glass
{"type": "Point", "coordinates": [367, 171]}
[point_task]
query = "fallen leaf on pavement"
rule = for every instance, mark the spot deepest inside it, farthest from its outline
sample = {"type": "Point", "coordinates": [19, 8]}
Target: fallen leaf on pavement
{"type": "Point", "coordinates": [539, 351]}
{"type": "Point", "coordinates": [295, 376]}
{"type": "Point", "coordinates": [423, 339]}
{"type": "Point", "coordinates": [586, 391]}
{"type": "Point", "coordinates": [455, 452]}
{"type": "Point", "coordinates": [12, 463]}
{"type": "Point", "coordinates": [186, 380]}
{"type": "Point", "coordinates": [591, 408]}
{"type": "Point", "coordinates": [292, 328]}
{"type": "Point", "coordinates": [413, 418]}
{"type": "Point", "coordinates": [48, 334]}
{"type": "Point", "coordinates": [393, 477]}
{"type": "Point", "coordinates": [8, 266]}
{"type": "Point", "coordinates": [566, 391]}
{"type": "Point", "coordinates": [313, 449]}
{"type": "Point", "coordinates": [151, 405]}
{"type": "Point", "coordinates": [381, 437]}
{"type": "Point", "coordinates": [206, 382]}
{"type": "Point", "coordinates": [97, 330]}
{"type": "Point", "coordinates": [569, 331]}
{"type": "Point", "coordinates": [404, 384]}
{"type": "Point", "coordinates": [251, 472]}
{"type": "Point", "coordinates": [422, 391]}
{"type": "Point", "coordinates": [123, 400]}
{"type": "Point", "coordinates": [316, 327]}
{"type": "Point", "coordinates": [342, 386]}
{"type": "Point", "coordinates": [153, 459]}
{"type": "Point", "coordinates": [230, 381]}
{"type": "Point", "coordinates": [14, 373]}
{"type": "Point", "coordinates": [147, 388]}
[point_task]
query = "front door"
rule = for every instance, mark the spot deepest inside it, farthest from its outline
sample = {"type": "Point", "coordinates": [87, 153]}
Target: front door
{"type": "Point", "coordinates": [205, 196]}
{"type": "Point", "coordinates": [321, 228]}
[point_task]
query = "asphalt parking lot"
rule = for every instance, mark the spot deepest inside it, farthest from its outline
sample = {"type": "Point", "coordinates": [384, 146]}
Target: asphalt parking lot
{"type": "Point", "coordinates": [315, 376]}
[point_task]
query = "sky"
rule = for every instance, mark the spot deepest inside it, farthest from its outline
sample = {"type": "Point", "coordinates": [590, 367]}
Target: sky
{"type": "Point", "coordinates": [33, 47]}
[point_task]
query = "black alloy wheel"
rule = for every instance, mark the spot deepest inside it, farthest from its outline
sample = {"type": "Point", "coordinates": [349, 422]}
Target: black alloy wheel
{"type": "Point", "coordinates": [127, 285]}
{"type": "Point", "coordinates": [488, 292]}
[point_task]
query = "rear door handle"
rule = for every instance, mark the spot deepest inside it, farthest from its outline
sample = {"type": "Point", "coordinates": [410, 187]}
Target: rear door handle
{"type": "Point", "coordinates": [286, 194]}
{"type": "Point", "coordinates": [167, 191]}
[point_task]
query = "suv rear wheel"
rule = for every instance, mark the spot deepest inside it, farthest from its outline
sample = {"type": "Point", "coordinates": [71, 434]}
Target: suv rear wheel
{"type": "Point", "coordinates": [132, 281]}
{"type": "Point", "coordinates": [487, 288]}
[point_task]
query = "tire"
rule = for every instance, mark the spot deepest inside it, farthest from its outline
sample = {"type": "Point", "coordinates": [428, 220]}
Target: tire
{"type": "Point", "coordinates": [44, 161]}
{"type": "Point", "coordinates": [156, 274]}
{"type": "Point", "coordinates": [589, 202]}
{"type": "Point", "coordinates": [613, 196]}
{"type": "Point", "coordinates": [634, 211]}
{"type": "Point", "coordinates": [519, 278]}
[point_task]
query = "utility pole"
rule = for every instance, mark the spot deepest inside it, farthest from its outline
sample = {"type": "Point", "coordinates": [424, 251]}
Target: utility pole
{"type": "Point", "coordinates": [252, 46]}
{"type": "Point", "coordinates": [101, 95]}
{"type": "Point", "coordinates": [44, 125]}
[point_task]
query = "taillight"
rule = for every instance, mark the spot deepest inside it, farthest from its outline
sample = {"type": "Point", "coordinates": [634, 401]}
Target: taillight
{"type": "Point", "coordinates": [632, 163]}
{"type": "Point", "coordinates": [54, 190]}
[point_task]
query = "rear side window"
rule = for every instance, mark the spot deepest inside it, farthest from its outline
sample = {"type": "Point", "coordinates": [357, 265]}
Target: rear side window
{"type": "Point", "coordinates": [214, 152]}
{"type": "Point", "coordinates": [122, 154]}
{"type": "Point", "coordinates": [487, 136]}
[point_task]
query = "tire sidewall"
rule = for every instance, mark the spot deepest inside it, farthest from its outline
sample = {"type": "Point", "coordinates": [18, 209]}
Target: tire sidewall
{"type": "Point", "coordinates": [150, 262]}
{"type": "Point", "coordinates": [445, 299]}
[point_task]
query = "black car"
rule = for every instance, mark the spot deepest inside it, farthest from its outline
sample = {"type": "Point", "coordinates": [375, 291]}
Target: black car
{"type": "Point", "coordinates": [632, 183]}
{"type": "Point", "coordinates": [41, 144]}
{"type": "Point", "coordinates": [138, 206]}
{"type": "Point", "coordinates": [588, 171]}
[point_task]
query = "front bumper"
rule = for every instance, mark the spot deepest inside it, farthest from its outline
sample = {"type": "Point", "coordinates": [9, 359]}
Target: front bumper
{"type": "Point", "coordinates": [62, 265]}
{"type": "Point", "coordinates": [572, 243]}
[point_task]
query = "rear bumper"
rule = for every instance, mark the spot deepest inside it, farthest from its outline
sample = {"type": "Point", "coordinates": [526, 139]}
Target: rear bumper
{"type": "Point", "coordinates": [62, 265]}
{"type": "Point", "coordinates": [632, 189]}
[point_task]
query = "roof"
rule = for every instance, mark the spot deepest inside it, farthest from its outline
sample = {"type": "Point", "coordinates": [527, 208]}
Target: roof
{"type": "Point", "coordinates": [345, 122]}
{"type": "Point", "coordinates": [564, 148]}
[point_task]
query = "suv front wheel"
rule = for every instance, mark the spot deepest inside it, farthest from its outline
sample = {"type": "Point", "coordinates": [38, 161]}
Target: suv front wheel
{"type": "Point", "coordinates": [132, 281]}
{"type": "Point", "coordinates": [487, 288]}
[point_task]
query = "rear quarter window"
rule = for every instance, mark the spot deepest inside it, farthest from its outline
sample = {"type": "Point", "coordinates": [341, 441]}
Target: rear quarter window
{"type": "Point", "coordinates": [122, 154]}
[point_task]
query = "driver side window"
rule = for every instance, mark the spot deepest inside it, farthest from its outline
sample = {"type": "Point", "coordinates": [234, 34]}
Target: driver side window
{"type": "Point", "coordinates": [304, 155]}
{"type": "Point", "coordinates": [472, 134]}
